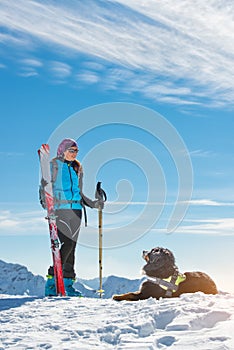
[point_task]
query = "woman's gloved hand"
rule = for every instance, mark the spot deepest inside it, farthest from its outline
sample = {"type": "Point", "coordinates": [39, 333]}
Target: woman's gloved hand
{"type": "Point", "coordinates": [99, 204]}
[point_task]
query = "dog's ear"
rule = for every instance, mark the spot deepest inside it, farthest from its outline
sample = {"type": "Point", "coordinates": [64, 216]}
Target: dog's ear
{"type": "Point", "coordinates": [145, 255]}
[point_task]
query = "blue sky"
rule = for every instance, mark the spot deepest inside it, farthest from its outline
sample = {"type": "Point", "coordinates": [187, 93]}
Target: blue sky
{"type": "Point", "coordinates": [66, 67]}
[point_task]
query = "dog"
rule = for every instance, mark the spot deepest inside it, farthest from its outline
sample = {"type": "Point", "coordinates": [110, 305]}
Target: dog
{"type": "Point", "coordinates": [164, 279]}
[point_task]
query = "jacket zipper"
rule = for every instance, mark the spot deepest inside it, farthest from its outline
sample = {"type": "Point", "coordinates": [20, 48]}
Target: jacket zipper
{"type": "Point", "coordinates": [69, 168]}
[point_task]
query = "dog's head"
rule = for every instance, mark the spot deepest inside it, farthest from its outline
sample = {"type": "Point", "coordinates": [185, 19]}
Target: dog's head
{"type": "Point", "coordinates": [160, 262]}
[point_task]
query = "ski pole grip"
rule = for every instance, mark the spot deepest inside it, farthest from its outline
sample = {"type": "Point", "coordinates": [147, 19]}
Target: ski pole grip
{"type": "Point", "coordinates": [100, 194]}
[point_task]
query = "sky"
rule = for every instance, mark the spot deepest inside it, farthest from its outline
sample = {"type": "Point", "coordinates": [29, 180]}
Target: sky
{"type": "Point", "coordinates": [146, 87]}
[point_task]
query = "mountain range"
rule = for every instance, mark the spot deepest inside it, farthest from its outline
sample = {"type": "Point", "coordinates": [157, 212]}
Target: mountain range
{"type": "Point", "coordinates": [15, 279]}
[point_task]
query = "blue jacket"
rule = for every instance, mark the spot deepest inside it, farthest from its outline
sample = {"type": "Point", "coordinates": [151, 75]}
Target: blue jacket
{"type": "Point", "coordinates": [66, 185]}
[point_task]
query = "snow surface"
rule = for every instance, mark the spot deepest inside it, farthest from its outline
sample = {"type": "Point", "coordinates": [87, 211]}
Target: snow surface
{"type": "Point", "coordinates": [29, 321]}
{"type": "Point", "coordinates": [193, 321]}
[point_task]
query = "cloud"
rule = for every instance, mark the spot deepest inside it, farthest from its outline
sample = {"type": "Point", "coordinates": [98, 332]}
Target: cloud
{"type": "Point", "coordinates": [94, 66]}
{"type": "Point", "coordinates": [201, 153]}
{"type": "Point", "coordinates": [120, 214]}
{"type": "Point", "coordinates": [31, 62]}
{"type": "Point", "coordinates": [220, 227]}
{"type": "Point", "coordinates": [204, 202]}
{"type": "Point", "coordinates": [181, 51]}
{"type": "Point", "coordinates": [25, 223]}
{"type": "Point", "coordinates": [29, 67]}
{"type": "Point", "coordinates": [216, 227]}
{"type": "Point", "coordinates": [60, 70]}
{"type": "Point", "coordinates": [88, 77]}
{"type": "Point", "coordinates": [198, 202]}
{"type": "Point", "coordinates": [11, 154]}
{"type": "Point", "coordinates": [208, 202]}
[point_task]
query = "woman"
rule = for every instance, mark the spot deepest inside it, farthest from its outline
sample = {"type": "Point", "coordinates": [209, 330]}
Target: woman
{"type": "Point", "coordinates": [67, 175]}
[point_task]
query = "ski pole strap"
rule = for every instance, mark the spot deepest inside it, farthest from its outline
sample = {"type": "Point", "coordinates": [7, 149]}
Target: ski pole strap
{"type": "Point", "coordinates": [85, 215]}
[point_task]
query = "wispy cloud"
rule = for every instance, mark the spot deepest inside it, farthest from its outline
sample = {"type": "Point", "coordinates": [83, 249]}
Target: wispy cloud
{"type": "Point", "coordinates": [181, 52]}
{"type": "Point", "coordinates": [209, 202]}
{"type": "Point", "coordinates": [201, 153]}
{"type": "Point", "coordinates": [216, 227]}
{"type": "Point", "coordinates": [25, 223]}
{"type": "Point", "coordinates": [60, 70]}
{"type": "Point", "coordinates": [198, 202]}
{"type": "Point", "coordinates": [120, 214]}
{"type": "Point", "coordinates": [31, 62]}
{"type": "Point", "coordinates": [88, 77]}
{"type": "Point", "coordinates": [29, 67]}
{"type": "Point", "coordinates": [220, 227]}
{"type": "Point", "coordinates": [11, 154]}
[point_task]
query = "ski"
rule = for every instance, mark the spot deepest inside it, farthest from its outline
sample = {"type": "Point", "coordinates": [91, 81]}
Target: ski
{"type": "Point", "coordinates": [44, 157]}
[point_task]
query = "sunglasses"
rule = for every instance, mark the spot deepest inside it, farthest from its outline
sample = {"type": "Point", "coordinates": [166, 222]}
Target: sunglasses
{"type": "Point", "coordinates": [72, 150]}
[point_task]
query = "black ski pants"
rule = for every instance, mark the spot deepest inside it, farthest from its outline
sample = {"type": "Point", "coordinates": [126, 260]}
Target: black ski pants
{"type": "Point", "coordinates": [68, 223]}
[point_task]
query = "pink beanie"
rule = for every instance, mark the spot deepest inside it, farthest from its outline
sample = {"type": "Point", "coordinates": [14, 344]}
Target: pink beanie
{"type": "Point", "coordinates": [64, 145]}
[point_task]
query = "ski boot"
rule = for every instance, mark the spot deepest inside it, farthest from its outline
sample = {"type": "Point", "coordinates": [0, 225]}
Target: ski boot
{"type": "Point", "coordinates": [70, 290]}
{"type": "Point", "coordinates": [50, 288]}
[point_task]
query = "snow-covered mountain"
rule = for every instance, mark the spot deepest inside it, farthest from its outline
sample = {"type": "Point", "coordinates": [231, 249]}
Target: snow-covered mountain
{"type": "Point", "coordinates": [15, 279]}
{"type": "Point", "coordinates": [111, 285]}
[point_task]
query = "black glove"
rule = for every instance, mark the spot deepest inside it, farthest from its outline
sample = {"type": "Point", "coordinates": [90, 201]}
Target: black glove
{"type": "Point", "coordinates": [99, 204]}
{"type": "Point", "coordinates": [100, 194]}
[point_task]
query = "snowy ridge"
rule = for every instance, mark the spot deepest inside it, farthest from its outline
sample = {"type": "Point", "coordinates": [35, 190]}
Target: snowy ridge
{"type": "Point", "coordinates": [15, 279]}
{"type": "Point", "coordinates": [193, 321]}
{"type": "Point", "coordinates": [112, 285]}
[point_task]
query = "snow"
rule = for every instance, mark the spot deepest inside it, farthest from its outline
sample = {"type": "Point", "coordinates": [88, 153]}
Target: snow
{"type": "Point", "coordinates": [193, 321]}
{"type": "Point", "coordinates": [30, 321]}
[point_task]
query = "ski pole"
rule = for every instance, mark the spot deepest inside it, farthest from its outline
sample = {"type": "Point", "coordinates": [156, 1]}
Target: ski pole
{"type": "Point", "coordinates": [100, 195]}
